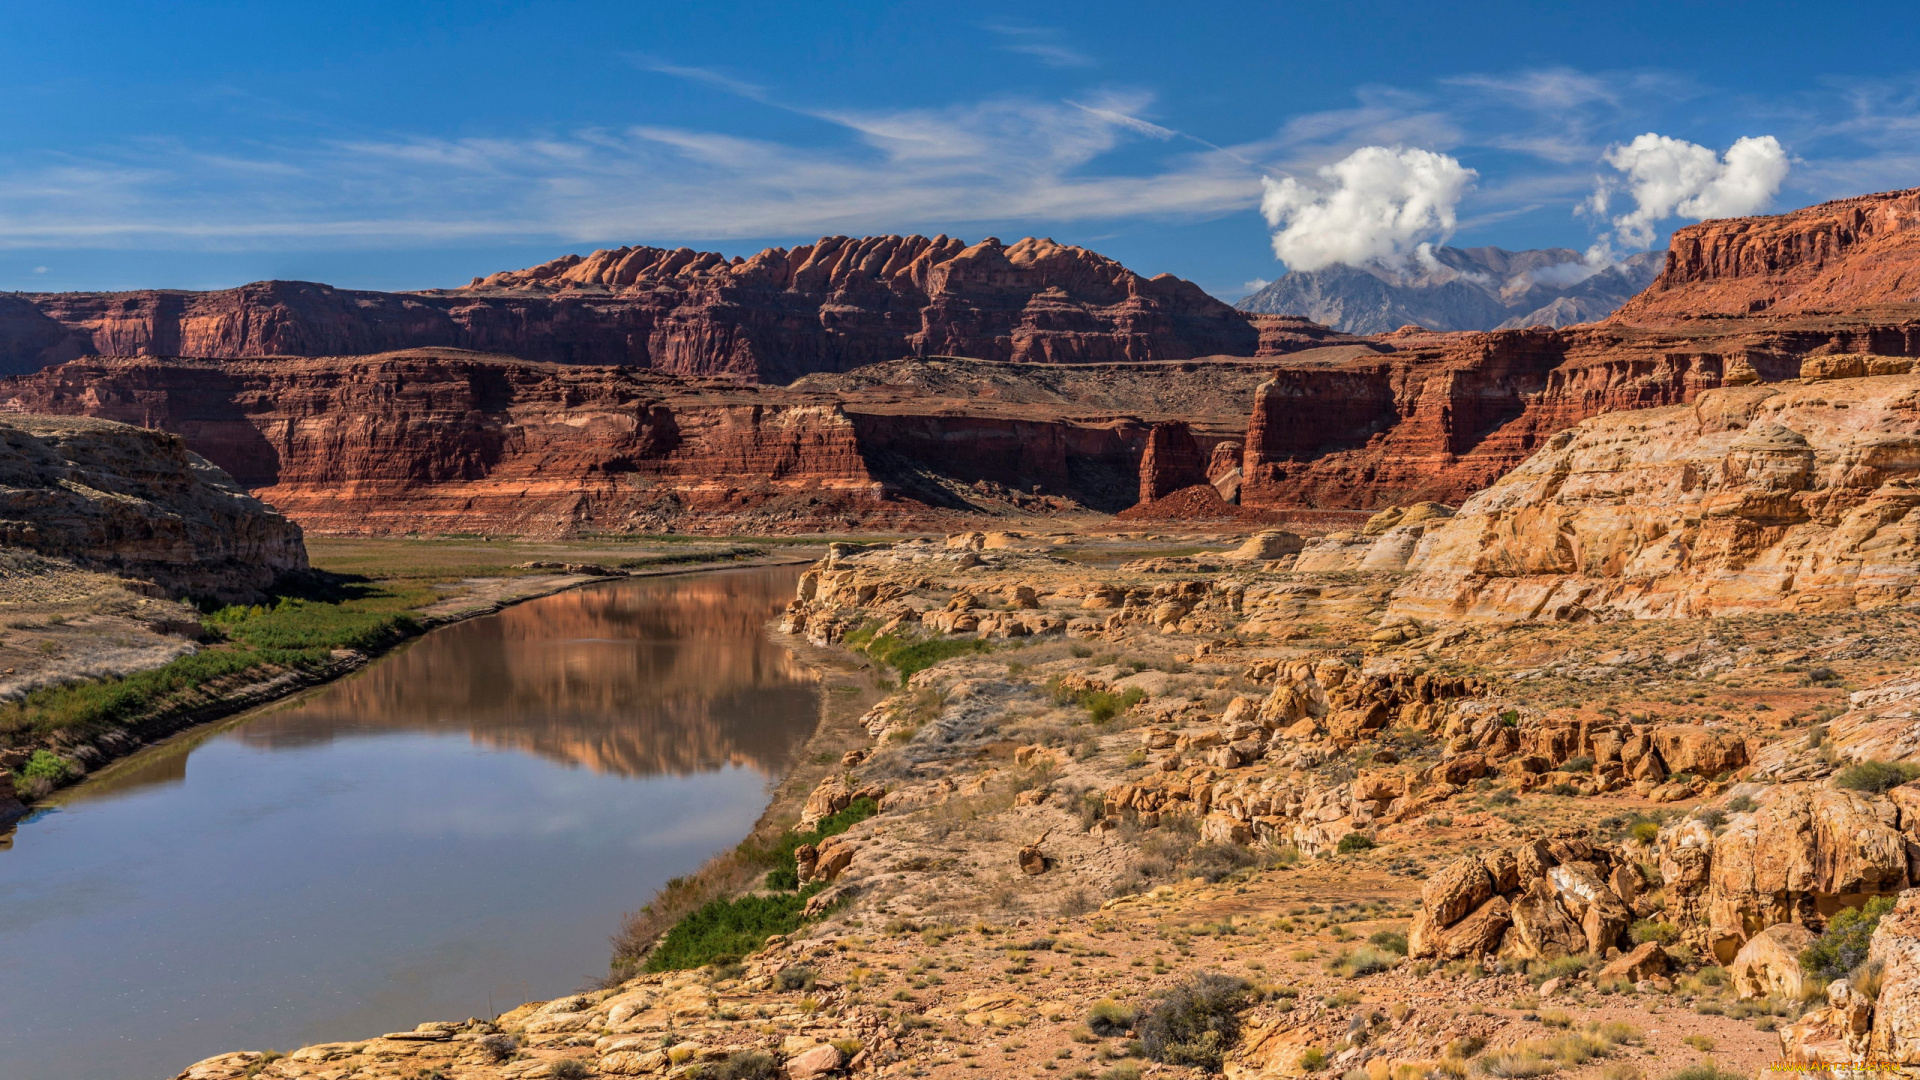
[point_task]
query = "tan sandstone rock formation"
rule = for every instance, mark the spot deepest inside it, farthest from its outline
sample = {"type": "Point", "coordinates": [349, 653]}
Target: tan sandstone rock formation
{"type": "Point", "coordinates": [138, 503]}
{"type": "Point", "coordinates": [1756, 498]}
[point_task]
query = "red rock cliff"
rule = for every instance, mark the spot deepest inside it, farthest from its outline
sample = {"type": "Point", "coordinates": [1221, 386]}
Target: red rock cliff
{"type": "Point", "coordinates": [1842, 255]}
{"type": "Point", "coordinates": [438, 440]}
{"type": "Point", "coordinates": [827, 306]}
{"type": "Point", "coordinates": [1448, 414]}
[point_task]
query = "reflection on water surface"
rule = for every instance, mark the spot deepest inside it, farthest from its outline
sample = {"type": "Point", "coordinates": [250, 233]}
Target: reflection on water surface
{"type": "Point", "coordinates": [452, 831]}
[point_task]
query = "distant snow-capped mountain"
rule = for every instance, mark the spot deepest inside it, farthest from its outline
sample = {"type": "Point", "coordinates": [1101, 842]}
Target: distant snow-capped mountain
{"type": "Point", "coordinates": [1485, 288]}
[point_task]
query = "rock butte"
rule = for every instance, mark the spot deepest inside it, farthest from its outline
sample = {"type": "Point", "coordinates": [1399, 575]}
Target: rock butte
{"type": "Point", "coordinates": [826, 306]}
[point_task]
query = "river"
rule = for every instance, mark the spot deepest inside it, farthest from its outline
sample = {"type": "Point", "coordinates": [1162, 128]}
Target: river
{"type": "Point", "coordinates": [454, 830]}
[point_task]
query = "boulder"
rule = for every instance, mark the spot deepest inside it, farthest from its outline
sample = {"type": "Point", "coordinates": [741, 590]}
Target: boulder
{"type": "Point", "coordinates": [1645, 961]}
{"type": "Point", "coordinates": [1768, 965]}
{"type": "Point", "coordinates": [1836, 1035]}
{"type": "Point", "coordinates": [1462, 886]}
{"type": "Point", "coordinates": [823, 1060]}
{"type": "Point", "coordinates": [1272, 544]}
{"type": "Point", "coordinates": [1542, 930]}
{"type": "Point", "coordinates": [1477, 935]}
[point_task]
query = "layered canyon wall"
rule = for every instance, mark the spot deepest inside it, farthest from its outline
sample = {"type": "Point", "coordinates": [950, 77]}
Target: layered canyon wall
{"type": "Point", "coordinates": [1445, 415]}
{"type": "Point", "coordinates": [440, 440]}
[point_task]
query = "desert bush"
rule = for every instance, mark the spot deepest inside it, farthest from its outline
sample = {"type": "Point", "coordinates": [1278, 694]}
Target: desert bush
{"type": "Point", "coordinates": [1876, 776]}
{"type": "Point", "coordinates": [1646, 930]}
{"type": "Point", "coordinates": [1843, 945]}
{"type": "Point", "coordinates": [1365, 960]}
{"type": "Point", "coordinates": [1741, 804]}
{"type": "Point", "coordinates": [1103, 705]}
{"type": "Point", "coordinates": [498, 1048]}
{"type": "Point", "coordinates": [1195, 1022]}
{"type": "Point", "coordinates": [1109, 1018]}
{"type": "Point", "coordinates": [1354, 841]}
{"type": "Point", "coordinates": [1393, 941]}
{"type": "Point", "coordinates": [569, 1069]}
{"type": "Point", "coordinates": [1215, 861]}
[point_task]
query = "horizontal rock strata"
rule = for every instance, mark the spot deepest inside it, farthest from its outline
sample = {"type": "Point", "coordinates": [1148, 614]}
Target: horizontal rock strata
{"type": "Point", "coordinates": [441, 440]}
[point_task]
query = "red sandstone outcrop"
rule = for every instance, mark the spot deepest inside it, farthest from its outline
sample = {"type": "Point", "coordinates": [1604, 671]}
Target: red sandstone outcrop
{"type": "Point", "coordinates": [1753, 498]}
{"type": "Point", "coordinates": [1171, 461]}
{"type": "Point", "coordinates": [137, 503]}
{"type": "Point", "coordinates": [828, 306]}
{"type": "Point", "coordinates": [453, 441]}
{"type": "Point", "coordinates": [1847, 254]}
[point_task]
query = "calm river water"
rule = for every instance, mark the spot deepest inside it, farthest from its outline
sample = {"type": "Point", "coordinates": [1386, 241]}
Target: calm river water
{"type": "Point", "coordinates": [454, 830]}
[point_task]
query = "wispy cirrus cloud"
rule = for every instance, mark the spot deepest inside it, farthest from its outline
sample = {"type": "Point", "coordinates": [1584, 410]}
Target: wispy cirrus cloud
{"type": "Point", "coordinates": [1007, 159]}
{"type": "Point", "coordinates": [1044, 44]}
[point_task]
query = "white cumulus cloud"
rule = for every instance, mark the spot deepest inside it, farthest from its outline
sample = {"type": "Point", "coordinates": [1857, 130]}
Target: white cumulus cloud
{"type": "Point", "coordinates": [1668, 177]}
{"type": "Point", "coordinates": [1378, 204]}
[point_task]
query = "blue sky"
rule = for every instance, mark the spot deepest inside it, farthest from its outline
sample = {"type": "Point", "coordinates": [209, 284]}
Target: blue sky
{"type": "Point", "coordinates": [397, 145]}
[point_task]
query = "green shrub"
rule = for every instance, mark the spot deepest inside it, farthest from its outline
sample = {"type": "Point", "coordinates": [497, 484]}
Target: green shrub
{"type": "Point", "coordinates": [1195, 1022]}
{"type": "Point", "coordinates": [1875, 776]}
{"type": "Point", "coordinates": [1741, 804]}
{"type": "Point", "coordinates": [1581, 764]}
{"type": "Point", "coordinates": [1108, 1017]}
{"type": "Point", "coordinates": [1313, 1060]}
{"type": "Point", "coordinates": [1354, 841]}
{"type": "Point", "coordinates": [911, 655]}
{"type": "Point", "coordinates": [48, 766]}
{"type": "Point", "coordinates": [1843, 945]}
{"type": "Point", "coordinates": [1104, 705]}
{"type": "Point", "coordinates": [728, 928]}
{"type": "Point", "coordinates": [569, 1069]}
{"type": "Point", "coordinates": [1645, 831]}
